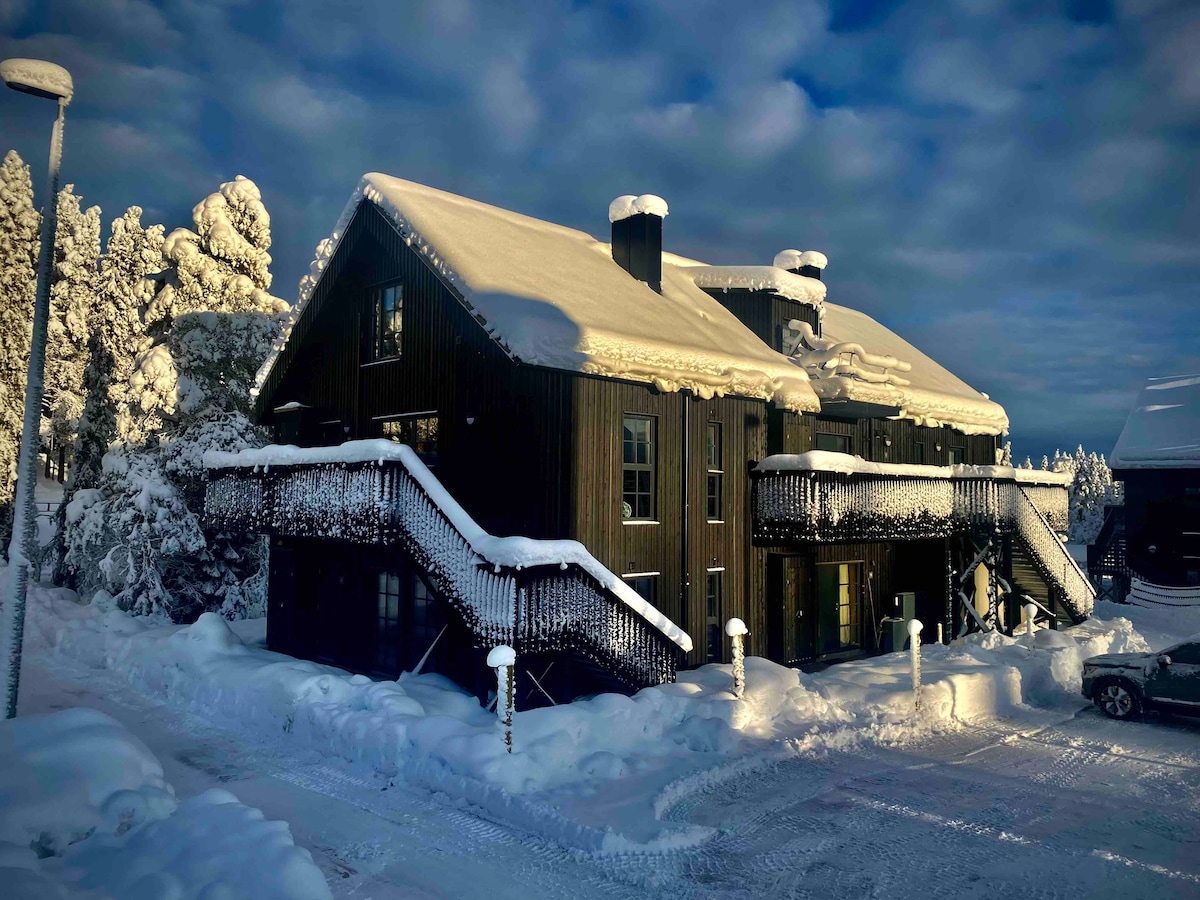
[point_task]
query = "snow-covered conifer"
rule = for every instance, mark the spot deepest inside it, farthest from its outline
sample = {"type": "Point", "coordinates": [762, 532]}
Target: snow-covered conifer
{"type": "Point", "coordinates": [1006, 454]}
{"type": "Point", "coordinates": [207, 328]}
{"type": "Point", "coordinates": [19, 223]}
{"type": "Point", "coordinates": [72, 300]}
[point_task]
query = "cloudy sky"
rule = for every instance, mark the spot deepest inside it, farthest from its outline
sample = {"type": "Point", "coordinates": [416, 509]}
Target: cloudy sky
{"type": "Point", "coordinates": [1012, 186]}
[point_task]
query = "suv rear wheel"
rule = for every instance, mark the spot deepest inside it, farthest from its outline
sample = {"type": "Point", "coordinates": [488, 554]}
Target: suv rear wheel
{"type": "Point", "coordinates": [1118, 698]}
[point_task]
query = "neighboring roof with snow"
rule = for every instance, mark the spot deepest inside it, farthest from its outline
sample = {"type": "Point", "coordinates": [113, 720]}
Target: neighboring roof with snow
{"type": "Point", "coordinates": [1163, 430]}
{"type": "Point", "coordinates": [552, 296]}
{"type": "Point", "coordinates": [926, 392]}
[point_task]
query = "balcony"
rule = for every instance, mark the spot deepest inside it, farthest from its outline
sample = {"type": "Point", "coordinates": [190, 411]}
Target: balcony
{"type": "Point", "coordinates": [821, 496]}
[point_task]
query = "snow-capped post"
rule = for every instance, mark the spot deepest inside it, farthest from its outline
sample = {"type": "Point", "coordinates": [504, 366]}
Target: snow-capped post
{"type": "Point", "coordinates": [914, 649]}
{"type": "Point", "coordinates": [503, 659]}
{"type": "Point", "coordinates": [52, 82]}
{"type": "Point", "coordinates": [1030, 612]}
{"type": "Point", "coordinates": [736, 630]}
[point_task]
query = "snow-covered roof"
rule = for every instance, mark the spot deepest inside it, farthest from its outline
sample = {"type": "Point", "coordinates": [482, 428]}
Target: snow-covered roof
{"type": "Point", "coordinates": [552, 296]}
{"type": "Point", "coordinates": [929, 394]}
{"type": "Point", "coordinates": [801, 288]}
{"type": "Point", "coordinates": [1163, 430]}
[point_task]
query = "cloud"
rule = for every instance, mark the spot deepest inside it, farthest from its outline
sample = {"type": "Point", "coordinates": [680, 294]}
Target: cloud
{"type": "Point", "coordinates": [1011, 188]}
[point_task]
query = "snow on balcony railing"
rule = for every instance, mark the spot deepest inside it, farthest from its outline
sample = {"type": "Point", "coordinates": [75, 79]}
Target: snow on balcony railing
{"type": "Point", "coordinates": [538, 595]}
{"type": "Point", "coordinates": [1142, 591]}
{"type": "Point", "coordinates": [822, 495]}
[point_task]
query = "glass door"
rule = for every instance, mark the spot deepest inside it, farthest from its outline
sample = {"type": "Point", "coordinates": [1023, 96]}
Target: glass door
{"type": "Point", "coordinates": [838, 606]}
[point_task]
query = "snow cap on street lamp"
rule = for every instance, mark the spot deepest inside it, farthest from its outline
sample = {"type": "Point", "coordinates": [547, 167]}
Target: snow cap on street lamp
{"type": "Point", "coordinates": [38, 77]}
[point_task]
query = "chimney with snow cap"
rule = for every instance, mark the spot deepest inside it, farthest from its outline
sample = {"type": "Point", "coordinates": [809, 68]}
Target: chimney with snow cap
{"type": "Point", "coordinates": [637, 236]}
{"type": "Point", "coordinates": [808, 262]}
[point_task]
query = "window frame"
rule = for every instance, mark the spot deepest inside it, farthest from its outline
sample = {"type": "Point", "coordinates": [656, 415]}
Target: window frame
{"type": "Point", "coordinates": [844, 439]}
{"type": "Point", "coordinates": [649, 579]}
{"type": "Point", "coordinates": [649, 467]}
{"type": "Point", "coordinates": [713, 601]}
{"type": "Point", "coordinates": [427, 454]}
{"type": "Point", "coordinates": [714, 483]}
{"type": "Point", "coordinates": [962, 454]}
{"type": "Point", "coordinates": [919, 453]}
{"type": "Point", "coordinates": [373, 332]}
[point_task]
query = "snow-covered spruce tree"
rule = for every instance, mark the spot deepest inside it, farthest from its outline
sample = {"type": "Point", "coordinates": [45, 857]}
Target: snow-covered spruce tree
{"type": "Point", "coordinates": [19, 223]}
{"type": "Point", "coordinates": [1091, 489]}
{"type": "Point", "coordinates": [72, 299]}
{"type": "Point", "coordinates": [208, 329]}
{"type": "Point", "coordinates": [123, 289]}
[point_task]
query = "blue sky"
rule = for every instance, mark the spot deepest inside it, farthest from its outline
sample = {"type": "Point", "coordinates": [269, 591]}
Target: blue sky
{"type": "Point", "coordinates": [1012, 186]}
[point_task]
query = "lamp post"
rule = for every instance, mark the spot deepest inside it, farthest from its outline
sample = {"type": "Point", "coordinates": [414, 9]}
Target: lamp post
{"type": "Point", "coordinates": [42, 79]}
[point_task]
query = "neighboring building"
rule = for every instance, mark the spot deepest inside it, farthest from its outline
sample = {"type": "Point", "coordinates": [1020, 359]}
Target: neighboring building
{"type": "Point", "coordinates": [1151, 545]}
{"type": "Point", "coordinates": [720, 442]}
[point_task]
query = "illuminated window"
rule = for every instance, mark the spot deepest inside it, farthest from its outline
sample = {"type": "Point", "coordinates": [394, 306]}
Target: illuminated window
{"type": "Point", "coordinates": [847, 609]}
{"type": "Point", "coordinates": [637, 493]}
{"type": "Point", "coordinates": [420, 432]}
{"type": "Point", "coordinates": [386, 323]}
{"type": "Point", "coordinates": [712, 616]}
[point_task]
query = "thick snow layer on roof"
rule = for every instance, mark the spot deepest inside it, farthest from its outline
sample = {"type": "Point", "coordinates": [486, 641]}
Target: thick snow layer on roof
{"type": "Point", "coordinates": [844, 463]}
{"type": "Point", "coordinates": [511, 552]}
{"type": "Point", "coordinates": [762, 278]}
{"type": "Point", "coordinates": [629, 205]}
{"type": "Point", "coordinates": [931, 395]}
{"type": "Point", "coordinates": [1163, 430]}
{"type": "Point", "coordinates": [795, 259]}
{"type": "Point", "coordinates": [552, 296]}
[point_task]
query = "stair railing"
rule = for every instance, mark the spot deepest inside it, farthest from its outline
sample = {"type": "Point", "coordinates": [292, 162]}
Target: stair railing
{"type": "Point", "coordinates": [1048, 553]}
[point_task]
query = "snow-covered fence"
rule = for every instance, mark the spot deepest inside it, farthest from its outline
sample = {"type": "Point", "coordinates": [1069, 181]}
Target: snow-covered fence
{"type": "Point", "coordinates": [531, 595]}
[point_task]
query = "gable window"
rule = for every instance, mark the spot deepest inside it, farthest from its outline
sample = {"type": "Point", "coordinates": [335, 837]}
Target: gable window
{"type": "Point", "coordinates": [385, 323]}
{"type": "Point", "coordinates": [919, 453]}
{"type": "Point", "coordinates": [637, 468]}
{"type": "Point", "coordinates": [419, 431]}
{"type": "Point", "coordinates": [835, 443]}
{"type": "Point", "coordinates": [716, 472]}
{"type": "Point", "coordinates": [712, 616]}
{"type": "Point", "coordinates": [958, 455]}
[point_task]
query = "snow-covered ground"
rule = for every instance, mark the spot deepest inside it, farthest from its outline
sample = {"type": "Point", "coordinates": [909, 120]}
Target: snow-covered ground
{"type": "Point", "coordinates": [678, 788]}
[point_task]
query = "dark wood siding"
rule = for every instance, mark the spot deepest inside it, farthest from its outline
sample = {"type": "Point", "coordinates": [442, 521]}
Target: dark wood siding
{"type": "Point", "coordinates": [1162, 510]}
{"type": "Point", "coordinates": [765, 312]}
{"type": "Point", "coordinates": [880, 440]}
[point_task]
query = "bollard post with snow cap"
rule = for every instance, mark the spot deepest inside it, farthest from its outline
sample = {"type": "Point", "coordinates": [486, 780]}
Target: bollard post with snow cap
{"type": "Point", "coordinates": [914, 649]}
{"type": "Point", "coordinates": [504, 659]}
{"type": "Point", "coordinates": [736, 630]}
{"type": "Point", "coordinates": [1030, 612]}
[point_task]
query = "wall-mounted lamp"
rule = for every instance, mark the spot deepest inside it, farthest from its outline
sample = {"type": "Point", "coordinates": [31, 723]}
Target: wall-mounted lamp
{"type": "Point", "coordinates": [470, 420]}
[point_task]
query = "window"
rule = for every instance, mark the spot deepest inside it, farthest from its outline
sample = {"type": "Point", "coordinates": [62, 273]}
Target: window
{"type": "Point", "coordinates": [919, 453]}
{"type": "Point", "coordinates": [387, 631]}
{"type": "Point", "coordinates": [847, 608]}
{"type": "Point", "coordinates": [637, 496]}
{"type": "Point", "coordinates": [644, 586]}
{"type": "Point", "coordinates": [419, 431]}
{"type": "Point", "coordinates": [958, 455]}
{"type": "Point", "coordinates": [385, 323]}
{"type": "Point", "coordinates": [835, 443]}
{"type": "Point", "coordinates": [716, 472]}
{"type": "Point", "coordinates": [1186, 654]}
{"type": "Point", "coordinates": [712, 616]}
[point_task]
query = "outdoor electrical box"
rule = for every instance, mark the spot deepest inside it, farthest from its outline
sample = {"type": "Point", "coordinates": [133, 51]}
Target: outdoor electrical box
{"type": "Point", "coordinates": [904, 606]}
{"type": "Point", "coordinates": [894, 635]}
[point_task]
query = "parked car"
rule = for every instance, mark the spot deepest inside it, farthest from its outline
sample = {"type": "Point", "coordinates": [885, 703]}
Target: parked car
{"type": "Point", "coordinates": [1125, 684]}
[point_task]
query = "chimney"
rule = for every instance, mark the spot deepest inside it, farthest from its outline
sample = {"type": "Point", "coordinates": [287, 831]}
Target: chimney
{"type": "Point", "coordinates": [637, 236]}
{"type": "Point", "coordinates": [808, 262]}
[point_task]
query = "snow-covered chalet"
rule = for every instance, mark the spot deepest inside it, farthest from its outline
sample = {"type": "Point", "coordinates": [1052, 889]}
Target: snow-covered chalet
{"type": "Point", "coordinates": [1149, 546]}
{"type": "Point", "coordinates": [492, 429]}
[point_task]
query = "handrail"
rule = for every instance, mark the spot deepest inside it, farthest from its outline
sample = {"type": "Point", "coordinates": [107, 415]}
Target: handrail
{"type": "Point", "coordinates": [1050, 555]}
{"type": "Point", "coordinates": [535, 609]}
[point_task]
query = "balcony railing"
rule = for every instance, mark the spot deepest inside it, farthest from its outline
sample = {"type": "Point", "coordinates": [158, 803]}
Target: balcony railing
{"type": "Point", "coordinates": [536, 596]}
{"type": "Point", "coordinates": [832, 497]}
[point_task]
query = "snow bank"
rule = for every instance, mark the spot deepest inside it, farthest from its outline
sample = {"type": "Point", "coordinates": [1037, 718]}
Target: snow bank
{"type": "Point", "coordinates": [84, 809]}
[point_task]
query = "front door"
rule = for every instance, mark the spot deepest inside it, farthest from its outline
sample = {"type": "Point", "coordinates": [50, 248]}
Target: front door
{"type": "Point", "coordinates": [838, 620]}
{"type": "Point", "coordinates": [790, 613]}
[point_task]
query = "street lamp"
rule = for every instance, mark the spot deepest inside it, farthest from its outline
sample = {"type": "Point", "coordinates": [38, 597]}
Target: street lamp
{"type": "Point", "coordinates": [41, 79]}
